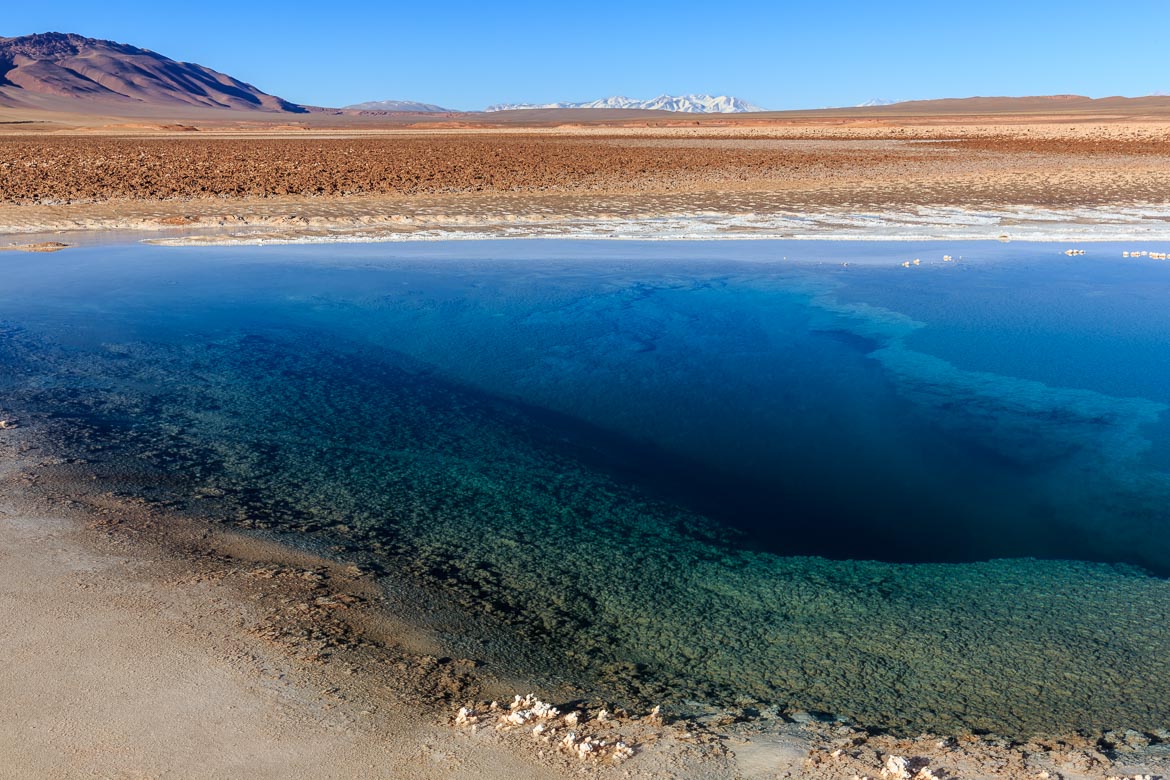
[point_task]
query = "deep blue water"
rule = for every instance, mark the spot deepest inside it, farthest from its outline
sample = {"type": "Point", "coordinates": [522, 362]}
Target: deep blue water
{"type": "Point", "coordinates": [724, 469]}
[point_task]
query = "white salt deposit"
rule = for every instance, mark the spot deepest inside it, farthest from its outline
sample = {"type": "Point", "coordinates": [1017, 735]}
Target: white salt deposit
{"type": "Point", "coordinates": [923, 223]}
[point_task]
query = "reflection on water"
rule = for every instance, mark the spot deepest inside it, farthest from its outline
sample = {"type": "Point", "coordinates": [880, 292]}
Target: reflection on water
{"type": "Point", "coordinates": [697, 471]}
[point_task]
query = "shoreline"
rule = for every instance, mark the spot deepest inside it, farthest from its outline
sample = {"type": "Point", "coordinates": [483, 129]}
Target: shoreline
{"type": "Point", "coordinates": [305, 649]}
{"type": "Point", "coordinates": [154, 646]}
{"type": "Point", "coordinates": [247, 224]}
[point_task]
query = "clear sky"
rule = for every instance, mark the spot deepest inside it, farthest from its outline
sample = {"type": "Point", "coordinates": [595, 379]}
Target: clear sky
{"type": "Point", "coordinates": [466, 54]}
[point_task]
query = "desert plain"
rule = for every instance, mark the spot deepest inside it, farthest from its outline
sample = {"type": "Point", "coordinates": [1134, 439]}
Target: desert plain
{"type": "Point", "coordinates": [386, 175]}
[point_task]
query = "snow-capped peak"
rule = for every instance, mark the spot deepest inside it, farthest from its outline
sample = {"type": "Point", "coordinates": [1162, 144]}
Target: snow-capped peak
{"type": "Point", "coordinates": [687, 104]}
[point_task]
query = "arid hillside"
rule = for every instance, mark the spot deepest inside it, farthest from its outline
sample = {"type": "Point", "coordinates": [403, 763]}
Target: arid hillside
{"type": "Point", "coordinates": [106, 74]}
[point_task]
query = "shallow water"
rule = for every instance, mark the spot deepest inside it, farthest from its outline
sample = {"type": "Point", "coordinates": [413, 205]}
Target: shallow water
{"type": "Point", "coordinates": [697, 471]}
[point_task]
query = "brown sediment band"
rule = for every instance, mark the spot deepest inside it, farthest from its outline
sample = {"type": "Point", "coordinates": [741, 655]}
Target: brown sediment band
{"type": "Point", "coordinates": [953, 165]}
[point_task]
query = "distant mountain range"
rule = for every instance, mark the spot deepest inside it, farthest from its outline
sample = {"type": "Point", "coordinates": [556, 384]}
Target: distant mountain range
{"type": "Point", "coordinates": [686, 104]}
{"type": "Point", "coordinates": [65, 65]}
{"type": "Point", "coordinates": [400, 106]}
{"type": "Point", "coordinates": [71, 66]}
{"type": "Point", "coordinates": [69, 73]}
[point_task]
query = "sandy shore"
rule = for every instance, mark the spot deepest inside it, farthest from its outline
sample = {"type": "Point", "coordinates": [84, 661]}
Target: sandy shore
{"type": "Point", "coordinates": [137, 652]}
{"type": "Point", "coordinates": [146, 644]}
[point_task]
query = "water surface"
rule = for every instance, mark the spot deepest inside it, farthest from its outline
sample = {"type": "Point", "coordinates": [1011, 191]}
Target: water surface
{"type": "Point", "coordinates": [922, 498]}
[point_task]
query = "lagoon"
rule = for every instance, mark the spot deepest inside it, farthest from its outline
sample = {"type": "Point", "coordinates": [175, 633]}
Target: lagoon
{"type": "Point", "coordinates": [792, 474]}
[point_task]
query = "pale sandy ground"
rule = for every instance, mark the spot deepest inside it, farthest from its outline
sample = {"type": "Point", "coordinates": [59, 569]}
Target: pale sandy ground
{"type": "Point", "coordinates": [114, 670]}
{"type": "Point", "coordinates": [41, 246]}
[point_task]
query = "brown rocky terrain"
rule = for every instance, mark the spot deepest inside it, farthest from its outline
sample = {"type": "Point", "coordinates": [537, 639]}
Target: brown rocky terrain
{"type": "Point", "coordinates": [90, 169]}
{"type": "Point", "coordinates": [134, 178]}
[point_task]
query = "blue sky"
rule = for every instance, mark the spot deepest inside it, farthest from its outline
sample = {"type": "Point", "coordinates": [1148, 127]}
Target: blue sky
{"type": "Point", "coordinates": [465, 54]}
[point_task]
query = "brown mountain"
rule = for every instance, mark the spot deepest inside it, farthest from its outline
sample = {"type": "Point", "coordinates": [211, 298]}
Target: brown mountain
{"type": "Point", "coordinates": [64, 65]}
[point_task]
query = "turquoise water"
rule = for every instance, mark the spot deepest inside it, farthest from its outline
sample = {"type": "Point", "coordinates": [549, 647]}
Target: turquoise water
{"type": "Point", "coordinates": [924, 498]}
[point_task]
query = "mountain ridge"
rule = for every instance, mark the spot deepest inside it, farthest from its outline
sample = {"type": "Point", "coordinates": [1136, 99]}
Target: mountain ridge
{"type": "Point", "coordinates": [73, 66]}
{"type": "Point", "coordinates": [686, 104]}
